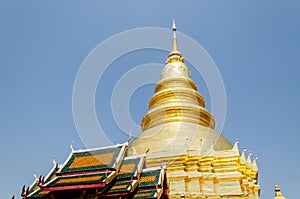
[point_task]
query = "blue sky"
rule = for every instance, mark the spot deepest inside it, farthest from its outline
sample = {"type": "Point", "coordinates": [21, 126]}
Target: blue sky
{"type": "Point", "coordinates": [255, 45]}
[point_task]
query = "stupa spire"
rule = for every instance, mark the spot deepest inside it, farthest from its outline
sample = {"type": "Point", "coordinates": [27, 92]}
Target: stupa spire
{"type": "Point", "coordinates": [176, 98]}
{"type": "Point", "coordinates": [175, 55]}
{"type": "Point", "coordinates": [176, 112]}
{"type": "Point", "coordinates": [175, 45]}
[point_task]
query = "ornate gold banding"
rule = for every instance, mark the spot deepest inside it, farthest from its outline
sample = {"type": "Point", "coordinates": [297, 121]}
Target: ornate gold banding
{"type": "Point", "coordinates": [178, 114]}
{"type": "Point", "coordinates": [175, 83]}
{"type": "Point", "coordinates": [175, 58]}
{"type": "Point", "coordinates": [176, 96]}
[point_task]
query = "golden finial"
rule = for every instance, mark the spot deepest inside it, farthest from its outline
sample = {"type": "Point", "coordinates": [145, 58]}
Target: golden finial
{"type": "Point", "coordinates": [174, 35]}
{"type": "Point", "coordinates": [243, 157]}
{"type": "Point", "coordinates": [249, 156]}
{"type": "Point", "coordinates": [278, 194]}
{"type": "Point", "coordinates": [254, 164]}
{"type": "Point", "coordinates": [174, 26]}
{"type": "Point", "coordinates": [174, 45]}
{"type": "Point", "coordinates": [277, 191]}
{"type": "Point", "coordinates": [174, 55]}
{"type": "Point", "coordinates": [249, 162]}
{"type": "Point", "coordinates": [235, 146]}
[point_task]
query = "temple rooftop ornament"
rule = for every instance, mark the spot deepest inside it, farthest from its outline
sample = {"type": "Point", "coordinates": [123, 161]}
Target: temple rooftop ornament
{"type": "Point", "coordinates": [278, 194]}
{"type": "Point", "coordinates": [71, 146]}
{"type": "Point", "coordinates": [174, 54]}
{"type": "Point", "coordinates": [34, 175]}
{"type": "Point", "coordinates": [235, 146]}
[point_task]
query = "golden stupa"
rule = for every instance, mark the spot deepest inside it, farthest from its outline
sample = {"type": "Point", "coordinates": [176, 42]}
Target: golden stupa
{"type": "Point", "coordinates": [178, 133]}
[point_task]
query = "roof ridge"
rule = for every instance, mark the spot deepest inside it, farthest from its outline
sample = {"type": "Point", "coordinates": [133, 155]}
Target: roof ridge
{"type": "Point", "coordinates": [99, 148]}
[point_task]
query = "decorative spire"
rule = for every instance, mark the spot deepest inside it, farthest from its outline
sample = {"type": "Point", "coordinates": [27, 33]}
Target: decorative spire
{"type": "Point", "coordinates": [175, 45]}
{"type": "Point", "coordinates": [277, 191]}
{"type": "Point", "coordinates": [174, 55]}
{"type": "Point", "coordinates": [174, 27]}
{"type": "Point", "coordinates": [254, 164]}
{"type": "Point", "coordinates": [278, 194]}
{"type": "Point", "coordinates": [235, 146]}
{"type": "Point", "coordinates": [243, 157]}
{"type": "Point", "coordinates": [249, 162]}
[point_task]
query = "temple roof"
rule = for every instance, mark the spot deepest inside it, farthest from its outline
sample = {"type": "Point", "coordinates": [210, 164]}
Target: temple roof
{"type": "Point", "coordinates": [105, 170]}
{"type": "Point", "coordinates": [151, 177]}
{"type": "Point", "coordinates": [94, 159]}
{"type": "Point", "coordinates": [131, 167]}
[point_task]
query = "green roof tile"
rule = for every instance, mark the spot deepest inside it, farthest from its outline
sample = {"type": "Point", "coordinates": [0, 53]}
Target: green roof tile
{"type": "Point", "coordinates": [120, 187]}
{"type": "Point", "coordinates": [150, 178]}
{"type": "Point", "coordinates": [148, 194]}
{"type": "Point", "coordinates": [83, 179]}
{"type": "Point", "coordinates": [91, 160]}
{"type": "Point", "coordinates": [38, 193]}
{"type": "Point", "coordinates": [131, 167]}
{"type": "Point", "coordinates": [95, 168]}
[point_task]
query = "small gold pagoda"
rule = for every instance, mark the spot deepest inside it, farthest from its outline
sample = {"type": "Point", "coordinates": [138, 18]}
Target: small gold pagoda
{"type": "Point", "coordinates": [178, 132]}
{"type": "Point", "coordinates": [278, 194]}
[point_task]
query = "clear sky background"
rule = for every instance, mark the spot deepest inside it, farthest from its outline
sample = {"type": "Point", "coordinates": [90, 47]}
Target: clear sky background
{"type": "Point", "coordinates": [255, 45]}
